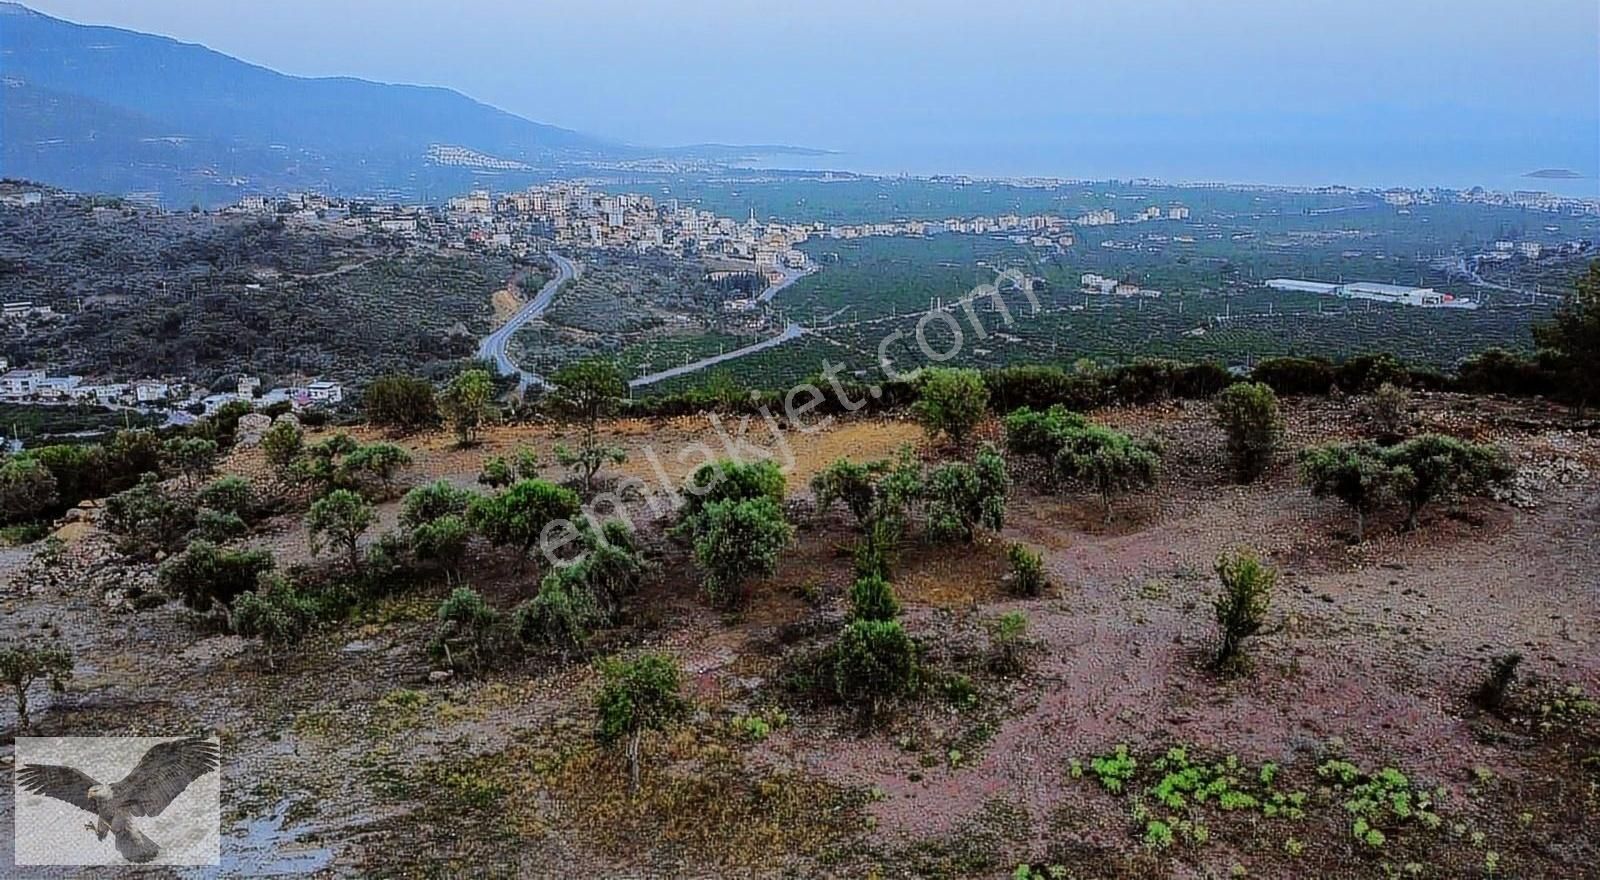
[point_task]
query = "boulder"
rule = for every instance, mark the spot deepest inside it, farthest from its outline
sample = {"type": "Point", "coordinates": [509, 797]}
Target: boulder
{"type": "Point", "coordinates": [251, 427]}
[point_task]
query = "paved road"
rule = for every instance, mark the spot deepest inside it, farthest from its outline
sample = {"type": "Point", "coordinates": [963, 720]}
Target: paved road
{"type": "Point", "coordinates": [793, 331]}
{"type": "Point", "coordinates": [790, 276]}
{"type": "Point", "coordinates": [493, 346]}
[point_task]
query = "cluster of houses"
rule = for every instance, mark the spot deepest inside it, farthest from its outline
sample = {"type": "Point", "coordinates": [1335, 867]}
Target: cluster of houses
{"type": "Point", "coordinates": [1100, 284]}
{"type": "Point", "coordinates": [26, 385]}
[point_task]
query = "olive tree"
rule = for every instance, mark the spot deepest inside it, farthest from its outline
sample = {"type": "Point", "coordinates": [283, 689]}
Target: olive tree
{"type": "Point", "coordinates": [637, 696]}
{"type": "Point", "coordinates": [585, 392]}
{"type": "Point", "coordinates": [468, 402]}
{"type": "Point", "coordinates": [525, 514]}
{"type": "Point", "coordinates": [27, 490]}
{"type": "Point", "coordinates": [874, 663]}
{"type": "Point", "coordinates": [1249, 413]}
{"type": "Point", "coordinates": [339, 519]}
{"type": "Point", "coordinates": [951, 402]}
{"type": "Point", "coordinates": [737, 541]}
{"type": "Point", "coordinates": [24, 664]}
{"type": "Point", "coordinates": [191, 457]}
{"type": "Point", "coordinates": [1355, 474]}
{"type": "Point", "coordinates": [1570, 342]}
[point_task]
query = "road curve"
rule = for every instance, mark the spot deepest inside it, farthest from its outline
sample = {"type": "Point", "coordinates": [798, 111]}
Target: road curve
{"type": "Point", "coordinates": [493, 346]}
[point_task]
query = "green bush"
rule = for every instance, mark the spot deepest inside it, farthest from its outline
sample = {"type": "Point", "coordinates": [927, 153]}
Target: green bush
{"type": "Point", "coordinates": [729, 481]}
{"type": "Point", "coordinates": [192, 458]}
{"type": "Point", "coordinates": [874, 663]}
{"type": "Point", "coordinates": [1008, 642]}
{"type": "Point", "coordinates": [430, 501]}
{"type": "Point", "coordinates": [219, 526]}
{"type": "Point", "coordinates": [441, 540]}
{"type": "Point", "coordinates": [1570, 342]}
{"type": "Point", "coordinates": [1241, 609]}
{"type": "Point", "coordinates": [1027, 571]}
{"type": "Point", "coordinates": [339, 519]}
{"type": "Point", "coordinates": [146, 518]}
{"type": "Point", "coordinates": [22, 664]}
{"type": "Point", "coordinates": [27, 491]}
{"type": "Point", "coordinates": [519, 516]}
{"type": "Point", "coordinates": [403, 403]}
{"type": "Point", "coordinates": [207, 578]}
{"type": "Point", "coordinates": [1249, 414]}
{"type": "Point", "coordinates": [471, 636]}
{"type": "Point", "coordinates": [377, 461]}
{"type": "Point", "coordinates": [1438, 467]}
{"type": "Point", "coordinates": [636, 696]}
{"type": "Point", "coordinates": [231, 495]}
{"type": "Point", "coordinates": [872, 598]}
{"type": "Point", "coordinates": [1295, 376]}
{"type": "Point", "coordinates": [961, 497]}
{"type": "Point", "coordinates": [737, 541]}
{"type": "Point", "coordinates": [276, 612]}
{"type": "Point", "coordinates": [951, 402]}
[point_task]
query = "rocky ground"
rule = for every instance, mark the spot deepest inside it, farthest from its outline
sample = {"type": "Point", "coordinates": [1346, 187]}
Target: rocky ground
{"type": "Point", "coordinates": [350, 758]}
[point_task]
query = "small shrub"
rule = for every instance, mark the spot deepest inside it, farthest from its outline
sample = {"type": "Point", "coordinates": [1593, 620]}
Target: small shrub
{"type": "Point", "coordinates": [739, 541]}
{"type": "Point", "coordinates": [1249, 413]}
{"type": "Point", "coordinates": [1389, 411]}
{"type": "Point", "coordinates": [1241, 609]}
{"type": "Point", "coordinates": [1008, 642]}
{"type": "Point", "coordinates": [872, 598]}
{"type": "Point", "coordinates": [471, 634]}
{"type": "Point", "coordinates": [1027, 571]}
{"type": "Point", "coordinates": [207, 578]}
{"type": "Point", "coordinates": [874, 663]}
{"type": "Point", "coordinates": [23, 664]}
{"type": "Point", "coordinates": [951, 402]}
{"type": "Point", "coordinates": [636, 696]}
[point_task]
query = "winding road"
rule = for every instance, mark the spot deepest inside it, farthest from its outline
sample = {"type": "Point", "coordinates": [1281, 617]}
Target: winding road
{"type": "Point", "coordinates": [493, 346]}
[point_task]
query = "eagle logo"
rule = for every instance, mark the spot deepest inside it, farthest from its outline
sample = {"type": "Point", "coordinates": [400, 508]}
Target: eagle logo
{"type": "Point", "coordinates": [165, 770]}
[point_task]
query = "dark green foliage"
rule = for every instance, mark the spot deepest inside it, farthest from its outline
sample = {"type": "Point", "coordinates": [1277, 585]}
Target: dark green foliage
{"type": "Point", "coordinates": [1027, 571]}
{"type": "Point", "coordinates": [951, 402]}
{"type": "Point", "coordinates": [1358, 474]}
{"type": "Point", "coordinates": [276, 612]}
{"type": "Point", "coordinates": [500, 471]}
{"type": "Point", "coordinates": [1440, 467]}
{"type": "Point", "coordinates": [1389, 411]}
{"type": "Point", "coordinates": [323, 462]}
{"type": "Point", "coordinates": [339, 519]}
{"type": "Point", "coordinates": [1248, 413]}
{"type": "Point", "coordinates": [1077, 450]}
{"type": "Point", "coordinates": [874, 663]}
{"type": "Point", "coordinates": [282, 445]}
{"type": "Point", "coordinates": [560, 617]}
{"type": "Point", "coordinates": [737, 541]}
{"type": "Point", "coordinates": [79, 471]}
{"type": "Point", "coordinates": [468, 403]}
{"type": "Point", "coordinates": [1367, 373]}
{"type": "Point", "coordinates": [230, 495]}
{"type": "Point", "coordinates": [375, 461]}
{"type": "Point", "coordinates": [1145, 382]}
{"type": "Point", "coordinates": [22, 664]}
{"type": "Point", "coordinates": [872, 598]}
{"type": "Point", "coordinates": [638, 695]}
{"type": "Point", "coordinates": [147, 518]}
{"type": "Point", "coordinates": [221, 426]}
{"type": "Point", "coordinates": [1039, 387]}
{"type": "Point", "coordinates": [961, 497]}
{"type": "Point", "coordinates": [441, 540]}
{"type": "Point", "coordinates": [1570, 343]}
{"type": "Point", "coordinates": [1295, 376]}
{"type": "Point", "coordinates": [27, 490]}
{"type": "Point", "coordinates": [471, 636]}
{"type": "Point", "coordinates": [206, 577]}
{"type": "Point", "coordinates": [219, 526]}
{"type": "Point", "coordinates": [852, 483]}
{"type": "Point", "coordinates": [729, 481]}
{"type": "Point", "coordinates": [1008, 642]}
{"type": "Point", "coordinates": [428, 502]}
{"type": "Point", "coordinates": [193, 458]}
{"type": "Point", "coordinates": [1241, 608]}
{"type": "Point", "coordinates": [129, 456]}
{"type": "Point", "coordinates": [1497, 371]}
{"type": "Point", "coordinates": [400, 402]}
{"type": "Point", "coordinates": [584, 393]}
{"type": "Point", "coordinates": [877, 549]}
{"type": "Point", "coordinates": [519, 516]}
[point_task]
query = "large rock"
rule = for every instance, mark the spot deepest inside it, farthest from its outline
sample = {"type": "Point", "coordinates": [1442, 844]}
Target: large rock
{"type": "Point", "coordinates": [250, 429]}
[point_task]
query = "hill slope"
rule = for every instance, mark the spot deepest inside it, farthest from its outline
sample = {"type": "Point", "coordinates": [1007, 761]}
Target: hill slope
{"type": "Point", "coordinates": [104, 108]}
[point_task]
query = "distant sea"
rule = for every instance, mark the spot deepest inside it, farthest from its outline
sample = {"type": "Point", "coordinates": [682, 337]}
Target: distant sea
{"type": "Point", "coordinates": [1272, 164]}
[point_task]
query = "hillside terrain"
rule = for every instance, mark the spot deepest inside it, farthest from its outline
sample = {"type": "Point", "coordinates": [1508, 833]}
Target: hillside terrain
{"type": "Point", "coordinates": [352, 754]}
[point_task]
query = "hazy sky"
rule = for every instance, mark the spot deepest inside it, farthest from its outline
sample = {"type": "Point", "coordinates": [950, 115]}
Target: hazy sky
{"type": "Point", "coordinates": [1340, 90]}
